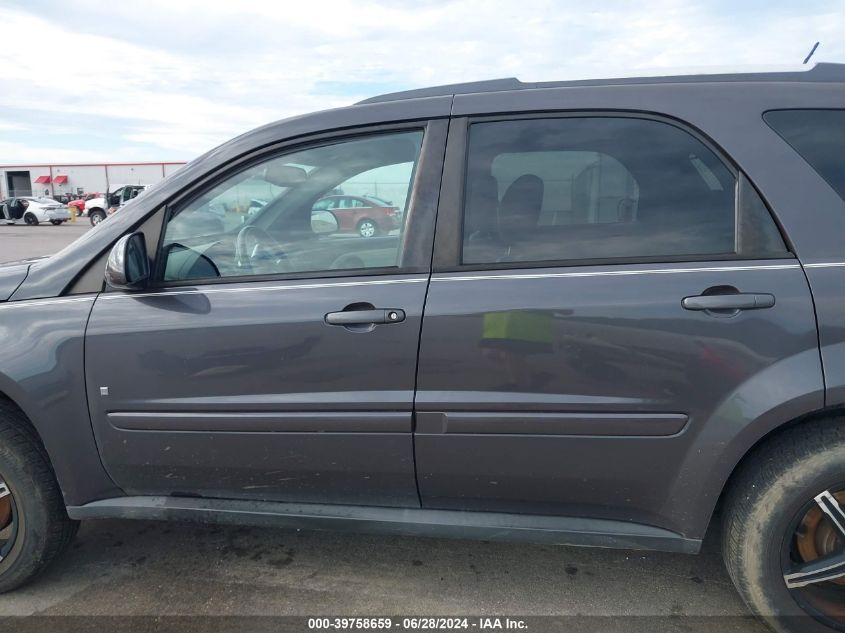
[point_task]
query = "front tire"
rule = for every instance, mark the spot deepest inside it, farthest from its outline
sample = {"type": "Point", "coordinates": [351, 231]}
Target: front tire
{"type": "Point", "coordinates": [96, 216]}
{"type": "Point", "coordinates": [30, 219]}
{"type": "Point", "coordinates": [35, 525]}
{"type": "Point", "coordinates": [784, 529]}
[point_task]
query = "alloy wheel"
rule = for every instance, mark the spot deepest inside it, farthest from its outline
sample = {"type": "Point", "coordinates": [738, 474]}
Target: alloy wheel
{"type": "Point", "coordinates": [813, 559]}
{"type": "Point", "coordinates": [367, 228]}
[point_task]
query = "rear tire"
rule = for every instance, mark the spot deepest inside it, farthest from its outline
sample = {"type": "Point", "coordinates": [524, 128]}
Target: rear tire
{"type": "Point", "coordinates": [56, 222]}
{"type": "Point", "coordinates": [774, 489]}
{"type": "Point", "coordinates": [367, 228]}
{"type": "Point", "coordinates": [41, 528]}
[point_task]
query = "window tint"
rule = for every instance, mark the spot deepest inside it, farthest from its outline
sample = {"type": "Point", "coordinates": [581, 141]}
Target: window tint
{"type": "Point", "coordinates": [819, 136]}
{"type": "Point", "coordinates": [283, 215]}
{"type": "Point", "coordinates": [594, 188]}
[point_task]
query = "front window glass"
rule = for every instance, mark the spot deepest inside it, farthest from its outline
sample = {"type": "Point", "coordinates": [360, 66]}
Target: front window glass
{"type": "Point", "coordinates": [283, 216]}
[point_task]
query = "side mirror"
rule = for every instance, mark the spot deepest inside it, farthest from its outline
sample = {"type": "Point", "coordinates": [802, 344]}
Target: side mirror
{"type": "Point", "coordinates": [128, 266]}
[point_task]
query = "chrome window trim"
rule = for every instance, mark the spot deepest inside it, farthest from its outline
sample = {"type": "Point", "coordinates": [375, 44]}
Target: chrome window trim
{"type": "Point", "coordinates": [825, 265]}
{"type": "Point", "coordinates": [259, 288]}
{"type": "Point", "coordinates": [45, 301]}
{"type": "Point", "coordinates": [611, 273]}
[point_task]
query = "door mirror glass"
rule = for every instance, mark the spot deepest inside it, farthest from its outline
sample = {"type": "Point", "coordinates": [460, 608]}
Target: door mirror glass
{"type": "Point", "coordinates": [323, 222]}
{"type": "Point", "coordinates": [128, 266]}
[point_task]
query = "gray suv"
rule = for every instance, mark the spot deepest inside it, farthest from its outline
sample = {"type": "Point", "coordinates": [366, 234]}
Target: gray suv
{"type": "Point", "coordinates": [611, 309]}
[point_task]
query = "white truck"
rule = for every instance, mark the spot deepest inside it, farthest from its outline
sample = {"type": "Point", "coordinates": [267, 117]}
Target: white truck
{"type": "Point", "coordinates": [98, 209]}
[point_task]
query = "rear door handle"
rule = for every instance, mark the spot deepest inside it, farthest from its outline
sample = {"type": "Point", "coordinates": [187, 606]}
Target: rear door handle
{"type": "Point", "coordinates": [365, 317]}
{"type": "Point", "coordinates": [741, 301]}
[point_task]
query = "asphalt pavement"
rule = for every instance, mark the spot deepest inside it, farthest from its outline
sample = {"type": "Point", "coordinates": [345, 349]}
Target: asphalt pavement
{"type": "Point", "coordinates": [141, 568]}
{"type": "Point", "coordinates": [129, 568]}
{"type": "Point", "coordinates": [20, 241]}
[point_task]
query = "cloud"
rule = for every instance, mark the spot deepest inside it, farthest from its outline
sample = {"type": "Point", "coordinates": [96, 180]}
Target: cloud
{"type": "Point", "coordinates": [32, 154]}
{"type": "Point", "coordinates": [7, 126]}
{"type": "Point", "coordinates": [171, 80]}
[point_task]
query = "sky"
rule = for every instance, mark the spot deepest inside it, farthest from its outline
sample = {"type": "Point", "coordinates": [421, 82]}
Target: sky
{"type": "Point", "coordinates": [86, 80]}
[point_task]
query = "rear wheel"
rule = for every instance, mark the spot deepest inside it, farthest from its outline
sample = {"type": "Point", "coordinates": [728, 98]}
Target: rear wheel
{"type": "Point", "coordinates": [784, 536]}
{"type": "Point", "coordinates": [367, 228]}
{"type": "Point", "coordinates": [30, 219]}
{"type": "Point", "coordinates": [55, 222]}
{"type": "Point", "coordinates": [34, 527]}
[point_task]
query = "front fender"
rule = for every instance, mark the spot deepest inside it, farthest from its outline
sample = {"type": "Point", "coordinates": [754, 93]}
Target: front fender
{"type": "Point", "coordinates": [42, 371]}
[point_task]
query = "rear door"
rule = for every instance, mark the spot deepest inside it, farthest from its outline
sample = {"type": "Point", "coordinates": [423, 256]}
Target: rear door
{"type": "Point", "coordinates": [275, 356]}
{"type": "Point", "coordinates": [608, 289]}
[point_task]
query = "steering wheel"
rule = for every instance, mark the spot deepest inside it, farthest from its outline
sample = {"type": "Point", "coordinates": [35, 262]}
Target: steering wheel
{"type": "Point", "coordinates": [256, 250]}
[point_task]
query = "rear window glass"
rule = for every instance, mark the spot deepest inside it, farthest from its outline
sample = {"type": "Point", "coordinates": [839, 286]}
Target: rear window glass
{"type": "Point", "coordinates": [593, 188]}
{"type": "Point", "coordinates": [819, 136]}
{"type": "Point", "coordinates": [605, 188]}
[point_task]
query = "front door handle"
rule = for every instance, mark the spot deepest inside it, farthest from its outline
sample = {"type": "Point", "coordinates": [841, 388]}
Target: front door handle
{"type": "Point", "coordinates": [366, 317]}
{"type": "Point", "coordinates": [739, 301]}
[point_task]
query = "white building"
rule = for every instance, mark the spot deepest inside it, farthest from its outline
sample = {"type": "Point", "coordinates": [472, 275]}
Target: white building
{"type": "Point", "coordinates": [78, 178]}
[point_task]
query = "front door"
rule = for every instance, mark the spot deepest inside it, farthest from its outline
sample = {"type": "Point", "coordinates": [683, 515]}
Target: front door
{"type": "Point", "coordinates": [611, 300]}
{"type": "Point", "coordinates": [275, 356]}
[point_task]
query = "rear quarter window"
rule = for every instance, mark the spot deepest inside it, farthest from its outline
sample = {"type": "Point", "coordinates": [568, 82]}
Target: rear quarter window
{"type": "Point", "coordinates": [819, 137]}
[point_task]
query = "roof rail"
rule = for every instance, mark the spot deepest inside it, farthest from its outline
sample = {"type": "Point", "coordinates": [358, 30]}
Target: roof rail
{"type": "Point", "coordinates": [487, 85]}
{"type": "Point", "coordinates": [821, 72]}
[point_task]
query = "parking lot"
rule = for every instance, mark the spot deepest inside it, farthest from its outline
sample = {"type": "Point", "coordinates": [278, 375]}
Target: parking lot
{"type": "Point", "coordinates": [20, 241]}
{"type": "Point", "coordinates": [144, 568]}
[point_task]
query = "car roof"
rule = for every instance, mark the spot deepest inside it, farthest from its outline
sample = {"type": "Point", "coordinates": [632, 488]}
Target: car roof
{"type": "Point", "coordinates": [822, 72]}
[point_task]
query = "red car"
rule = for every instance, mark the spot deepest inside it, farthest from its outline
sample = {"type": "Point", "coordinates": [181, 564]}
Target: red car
{"type": "Point", "coordinates": [367, 216]}
{"type": "Point", "coordinates": [79, 204]}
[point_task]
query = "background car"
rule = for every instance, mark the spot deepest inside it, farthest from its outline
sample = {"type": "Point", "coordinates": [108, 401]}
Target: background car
{"type": "Point", "coordinates": [99, 208]}
{"type": "Point", "coordinates": [79, 203]}
{"type": "Point", "coordinates": [367, 216]}
{"type": "Point", "coordinates": [34, 211]}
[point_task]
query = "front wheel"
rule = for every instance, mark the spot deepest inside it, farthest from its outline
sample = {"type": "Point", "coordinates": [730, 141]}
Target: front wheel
{"type": "Point", "coordinates": [30, 219]}
{"type": "Point", "coordinates": [96, 216]}
{"type": "Point", "coordinates": [34, 526]}
{"type": "Point", "coordinates": [784, 532]}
